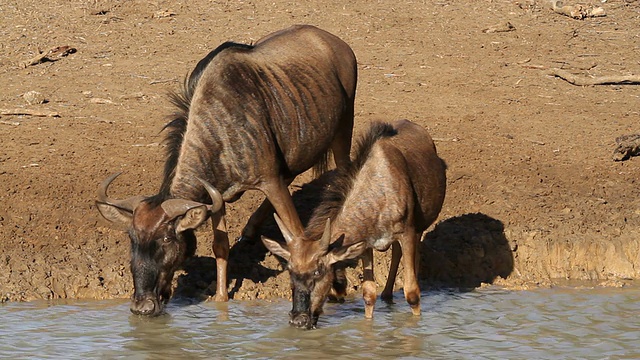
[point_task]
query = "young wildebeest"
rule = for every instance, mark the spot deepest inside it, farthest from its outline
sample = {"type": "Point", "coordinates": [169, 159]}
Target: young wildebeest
{"type": "Point", "coordinates": [392, 192]}
{"type": "Point", "coordinates": [249, 117]}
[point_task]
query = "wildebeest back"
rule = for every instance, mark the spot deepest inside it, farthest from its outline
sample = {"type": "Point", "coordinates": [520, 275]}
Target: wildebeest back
{"type": "Point", "coordinates": [268, 110]}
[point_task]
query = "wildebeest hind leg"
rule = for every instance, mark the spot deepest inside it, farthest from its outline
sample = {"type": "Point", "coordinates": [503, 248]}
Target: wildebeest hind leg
{"type": "Point", "coordinates": [221, 252]}
{"type": "Point", "coordinates": [396, 254]}
{"type": "Point", "coordinates": [341, 145]}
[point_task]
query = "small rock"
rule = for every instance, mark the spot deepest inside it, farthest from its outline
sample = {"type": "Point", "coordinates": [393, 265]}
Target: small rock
{"type": "Point", "coordinates": [100, 101]}
{"type": "Point", "coordinates": [628, 146]}
{"type": "Point", "coordinates": [163, 14]}
{"type": "Point", "coordinates": [33, 98]}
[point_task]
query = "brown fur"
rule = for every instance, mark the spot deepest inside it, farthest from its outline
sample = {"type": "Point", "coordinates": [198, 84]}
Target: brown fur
{"type": "Point", "coordinates": [248, 117]}
{"type": "Point", "coordinates": [392, 192]}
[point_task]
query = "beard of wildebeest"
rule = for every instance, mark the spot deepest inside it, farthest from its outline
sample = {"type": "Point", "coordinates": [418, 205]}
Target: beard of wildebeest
{"type": "Point", "coordinates": [153, 264]}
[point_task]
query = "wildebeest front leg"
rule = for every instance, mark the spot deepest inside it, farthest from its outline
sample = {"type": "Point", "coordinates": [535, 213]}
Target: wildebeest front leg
{"type": "Point", "coordinates": [258, 217]}
{"type": "Point", "coordinates": [411, 289]}
{"type": "Point", "coordinates": [221, 252]}
{"type": "Point", "coordinates": [396, 254]}
{"type": "Point", "coordinates": [369, 289]}
{"type": "Point", "coordinates": [277, 193]}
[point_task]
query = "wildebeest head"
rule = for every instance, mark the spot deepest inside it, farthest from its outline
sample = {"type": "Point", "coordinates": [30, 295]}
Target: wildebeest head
{"type": "Point", "coordinates": [310, 265]}
{"type": "Point", "coordinates": [162, 237]}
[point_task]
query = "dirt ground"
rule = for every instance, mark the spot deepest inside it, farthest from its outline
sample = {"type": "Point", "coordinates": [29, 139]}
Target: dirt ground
{"type": "Point", "coordinates": [534, 196]}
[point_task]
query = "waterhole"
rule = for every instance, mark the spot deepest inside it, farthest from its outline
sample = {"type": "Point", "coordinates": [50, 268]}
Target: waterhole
{"type": "Point", "coordinates": [489, 322]}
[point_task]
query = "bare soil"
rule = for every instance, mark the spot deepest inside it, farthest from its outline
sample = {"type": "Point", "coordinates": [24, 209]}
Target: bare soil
{"type": "Point", "coordinates": [534, 196]}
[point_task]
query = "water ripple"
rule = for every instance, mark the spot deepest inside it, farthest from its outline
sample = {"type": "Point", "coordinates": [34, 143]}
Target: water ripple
{"type": "Point", "coordinates": [486, 323]}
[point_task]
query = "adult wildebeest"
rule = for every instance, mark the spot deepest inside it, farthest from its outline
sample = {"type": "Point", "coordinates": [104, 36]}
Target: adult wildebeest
{"type": "Point", "coordinates": [249, 117]}
{"type": "Point", "coordinates": [392, 192]}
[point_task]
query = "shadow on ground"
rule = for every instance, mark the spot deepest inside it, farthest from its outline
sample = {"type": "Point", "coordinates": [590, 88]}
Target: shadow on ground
{"type": "Point", "coordinates": [465, 251]}
{"type": "Point", "coordinates": [198, 281]}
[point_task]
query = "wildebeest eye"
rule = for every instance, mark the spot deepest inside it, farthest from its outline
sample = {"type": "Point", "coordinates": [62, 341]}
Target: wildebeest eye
{"type": "Point", "coordinates": [317, 273]}
{"type": "Point", "coordinates": [166, 239]}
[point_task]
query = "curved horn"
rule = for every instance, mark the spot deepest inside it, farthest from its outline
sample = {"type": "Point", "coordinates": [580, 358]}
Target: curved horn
{"type": "Point", "coordinates": [128, 204]}
{"type": "Point", "coordinates": [178, 207]}
{"type": "Point", "coordinates": [325, 240]}
{"type": "Point", "coordinates": [215, 196]}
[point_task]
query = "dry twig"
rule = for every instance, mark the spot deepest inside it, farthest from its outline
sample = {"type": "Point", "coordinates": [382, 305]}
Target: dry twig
{"type": "Point", "coordinates": [599, 80]}
{"type": "Point", "coordinates": [162, 81]}
{"type": "Point", "coordinates": [28, 112]}
{"type": "Point", "coordinates": [54, 54]}
{"type": "Point", "coordinates": [502, 27]}
{"type": "Point", "coordinates": [13, 123]}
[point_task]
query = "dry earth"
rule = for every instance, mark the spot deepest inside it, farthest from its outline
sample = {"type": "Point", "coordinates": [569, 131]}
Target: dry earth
{"type": "Point", "coordinates": [534, 196]}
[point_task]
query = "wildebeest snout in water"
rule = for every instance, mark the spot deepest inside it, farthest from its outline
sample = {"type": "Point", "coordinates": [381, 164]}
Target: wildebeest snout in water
{"type": "Point", "coordinates": [248, 117]}
{"type": "Point", "coordinates": [389, 195]}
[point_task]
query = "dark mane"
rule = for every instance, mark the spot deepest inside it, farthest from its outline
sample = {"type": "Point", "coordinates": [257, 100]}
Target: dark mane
{"type": "Point", "coordinates": [335, 194]}
{"type": "Point", "coordinates": [181, 99]}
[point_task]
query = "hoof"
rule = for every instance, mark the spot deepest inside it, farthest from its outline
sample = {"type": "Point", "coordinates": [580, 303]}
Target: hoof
{"type": "Point", "coordinates": [220, 298]}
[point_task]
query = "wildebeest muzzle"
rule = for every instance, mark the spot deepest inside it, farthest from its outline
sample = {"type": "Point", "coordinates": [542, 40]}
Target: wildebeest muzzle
{"type": "Point", "coordinates": [300, 315]}
{"type": "Point", "coordinates": [147, 305]}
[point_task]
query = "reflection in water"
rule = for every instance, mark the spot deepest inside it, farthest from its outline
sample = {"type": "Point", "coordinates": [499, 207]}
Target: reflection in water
{"type": "Point", "coordinates": [486, 323]}
{"type": "Point", "coordinates": [154, 337]}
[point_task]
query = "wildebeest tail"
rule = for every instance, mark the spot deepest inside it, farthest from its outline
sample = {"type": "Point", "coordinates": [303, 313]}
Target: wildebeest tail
{"type": "Point", "coordinates": [322, 165]}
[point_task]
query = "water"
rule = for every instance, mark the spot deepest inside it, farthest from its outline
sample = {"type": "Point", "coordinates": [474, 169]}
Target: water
{"type": "Point", "coordinates": [487, 323]}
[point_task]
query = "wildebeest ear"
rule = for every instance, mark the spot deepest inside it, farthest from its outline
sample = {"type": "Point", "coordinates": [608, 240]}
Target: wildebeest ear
{"type": "Point", "coordinates": [193, 218]}
{"type": "Point", "coordinates": [276, 248]}
{"type": "Point", "coordinates": [115, 214]}
{"type": "Point", "coordinates": [346, 252]}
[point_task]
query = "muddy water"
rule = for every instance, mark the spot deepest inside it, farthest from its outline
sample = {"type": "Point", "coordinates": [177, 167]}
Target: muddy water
{"type": "Point", "coordinates": [490, 323]}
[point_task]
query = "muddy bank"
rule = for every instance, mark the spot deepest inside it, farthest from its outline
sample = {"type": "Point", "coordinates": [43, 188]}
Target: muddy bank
{"type": "Point", "coordinates": [533, 192]}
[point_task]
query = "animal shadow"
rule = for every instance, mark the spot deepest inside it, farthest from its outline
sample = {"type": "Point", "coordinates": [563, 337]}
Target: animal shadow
{"type": "Point", "coordinates": [465, 251]}
{"type": "Point", "coordinates": [197, 282]}
{"type": "Point", "coordinates": [246, 256]}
